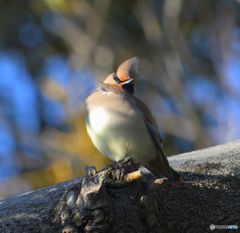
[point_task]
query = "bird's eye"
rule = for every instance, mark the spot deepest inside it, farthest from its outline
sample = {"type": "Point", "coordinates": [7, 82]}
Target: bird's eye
{"type": "Point", "coordinates": [117, 80]}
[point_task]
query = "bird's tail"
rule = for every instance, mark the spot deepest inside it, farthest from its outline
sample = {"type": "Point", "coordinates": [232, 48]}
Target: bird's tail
{"type": "Point", "coordinates": [160, 165]}
{"type": "Point", "coordinates": [176, 177]}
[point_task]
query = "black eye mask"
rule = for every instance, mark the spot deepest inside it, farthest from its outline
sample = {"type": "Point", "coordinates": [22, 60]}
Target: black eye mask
{"type": "Point", "coordinates": [117, 80]}
{"type": "Point", "coordinates": [128, 85]}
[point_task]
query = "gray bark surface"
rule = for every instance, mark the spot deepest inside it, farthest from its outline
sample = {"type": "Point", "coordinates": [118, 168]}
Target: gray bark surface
{"type": "Point", "coordinates": [105, 202]}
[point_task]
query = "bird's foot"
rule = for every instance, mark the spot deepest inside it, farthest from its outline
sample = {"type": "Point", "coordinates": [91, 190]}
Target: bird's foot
{"type": "Point", "coordinates": [122, 171]}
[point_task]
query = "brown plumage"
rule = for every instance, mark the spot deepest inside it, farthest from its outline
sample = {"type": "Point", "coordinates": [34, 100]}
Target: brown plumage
{"type": "Point", "coordinates": [120, 124]}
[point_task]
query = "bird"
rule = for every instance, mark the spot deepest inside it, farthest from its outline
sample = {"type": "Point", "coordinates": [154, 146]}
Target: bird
{"type": "Point", "coordinates": [121, 125]}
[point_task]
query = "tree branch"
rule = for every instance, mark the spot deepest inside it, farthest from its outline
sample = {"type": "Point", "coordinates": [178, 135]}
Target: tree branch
{"type": "Point", "coordinates": [112, 200]}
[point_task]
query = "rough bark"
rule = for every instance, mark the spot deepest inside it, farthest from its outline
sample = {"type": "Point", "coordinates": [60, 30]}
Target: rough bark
{"type": "Point", "coordinates": [107, 201]}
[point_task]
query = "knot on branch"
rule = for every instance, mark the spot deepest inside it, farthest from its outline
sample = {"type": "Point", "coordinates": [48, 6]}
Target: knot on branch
{"type": "Point", "coordinates": [115, 199]}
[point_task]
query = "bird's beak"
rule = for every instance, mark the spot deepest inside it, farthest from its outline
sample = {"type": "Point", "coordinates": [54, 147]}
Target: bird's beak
{"type": "Point", "coordinates": [129, 81]}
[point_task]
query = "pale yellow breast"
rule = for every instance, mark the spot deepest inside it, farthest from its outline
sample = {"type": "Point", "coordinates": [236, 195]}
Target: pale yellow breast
{"type": "Point", "coordinates": [120, 130]}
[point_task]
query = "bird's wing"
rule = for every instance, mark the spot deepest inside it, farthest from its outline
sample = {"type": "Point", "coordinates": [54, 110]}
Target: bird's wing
{"type": "Point", "coordinates": [149, 121]}
{"type": "Point", "coordinates": [161, 162]}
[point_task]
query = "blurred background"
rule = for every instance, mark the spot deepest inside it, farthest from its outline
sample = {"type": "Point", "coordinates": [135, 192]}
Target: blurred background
{"type": "Point", "coordinates": [54, 52]}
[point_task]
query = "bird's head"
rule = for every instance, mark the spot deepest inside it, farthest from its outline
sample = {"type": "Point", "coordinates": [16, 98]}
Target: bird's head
{"type": "Point", "coordinates": [125, 77]}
